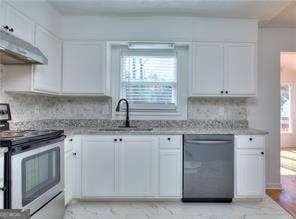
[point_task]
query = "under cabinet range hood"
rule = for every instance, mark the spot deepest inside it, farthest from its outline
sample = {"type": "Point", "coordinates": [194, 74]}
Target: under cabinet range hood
{"type": "Point", "coordinates": [15, 51]}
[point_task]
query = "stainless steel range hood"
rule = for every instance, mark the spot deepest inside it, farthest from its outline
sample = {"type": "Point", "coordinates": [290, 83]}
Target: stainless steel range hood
{"type": "Point", "coordinates": [15, 51]}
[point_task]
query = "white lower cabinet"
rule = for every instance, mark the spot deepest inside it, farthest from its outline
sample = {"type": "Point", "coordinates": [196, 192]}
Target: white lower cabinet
{"type": "Point", "coordinates": [249, 167]}
{"type": "Point", "coordinates": [130, 166]}
{"type": "Point", "coordinates": [2, 152]}
{"type": "Point", "coordinates": [68, 181]}
{"type": "Point", "coordinates": [72, 173]}
{"type": "Point", "coordinates": [137, 166]}
{"type": "Point", "coordinates": [99, 166]}
{"type": "Point", "coordinates": [170, 173]}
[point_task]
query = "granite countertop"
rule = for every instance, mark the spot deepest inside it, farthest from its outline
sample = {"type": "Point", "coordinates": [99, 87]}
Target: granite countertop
{"type": "Point", "coordinates": [158, 127]}
{"type": "Point", "coordinates": [166, 131]}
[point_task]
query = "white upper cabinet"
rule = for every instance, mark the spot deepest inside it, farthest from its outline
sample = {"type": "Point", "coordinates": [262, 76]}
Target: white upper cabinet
{"type": "Point", "coordinates": [240, 68]}
{"type": "Point", "coordinates": [38, 78]}
{"type": "Point", "coordinates": [84, 68]}
{"type": "Point", "coordinates": [20, 25]}
{"type": "Point", "coordinates": [224, 69]}
{"type": "Point", "coordinates": [1, 13]}
{"type": "Point", "coordinates": [208, 74]}
{"type": "Point", "coordinates": [48, 77]}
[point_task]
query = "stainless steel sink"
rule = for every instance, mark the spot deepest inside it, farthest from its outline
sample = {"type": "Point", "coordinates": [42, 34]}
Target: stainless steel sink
{"type": "Point", "coordinates": [120, 129]}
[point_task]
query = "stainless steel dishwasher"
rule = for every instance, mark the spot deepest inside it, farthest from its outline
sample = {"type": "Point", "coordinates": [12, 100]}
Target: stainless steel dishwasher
{"type": "Point", "coordinates": [208, 168]}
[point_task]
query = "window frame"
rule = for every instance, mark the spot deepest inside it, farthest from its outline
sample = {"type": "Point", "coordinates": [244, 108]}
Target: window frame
{"type": "Point", "coordinates": [183, 51]}
{"type": "Point", "coordinates": [151, 106]}
{"type": "Point", "coordinates": [290, 129]}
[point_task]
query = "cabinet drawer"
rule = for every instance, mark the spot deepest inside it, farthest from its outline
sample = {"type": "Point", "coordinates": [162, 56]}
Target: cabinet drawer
{"type": "Point", "coordinates": [170, 141]}
{"type": "Point", "coordinates": [249, 141]}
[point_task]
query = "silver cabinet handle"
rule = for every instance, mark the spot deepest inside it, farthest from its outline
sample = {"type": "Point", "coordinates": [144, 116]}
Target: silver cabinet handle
{"type": "Point", "coordinates": [207, 142]}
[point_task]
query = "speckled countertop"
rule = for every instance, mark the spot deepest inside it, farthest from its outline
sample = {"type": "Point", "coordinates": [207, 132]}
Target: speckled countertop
{"type": "Point", "coordinates": [157, 127]}
{"type": "Point", "coordinates": [166, 131]}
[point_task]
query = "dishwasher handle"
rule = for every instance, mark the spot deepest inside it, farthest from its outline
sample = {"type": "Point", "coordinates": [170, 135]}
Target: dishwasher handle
{"type": "Point", "coordinates": [207, 142]}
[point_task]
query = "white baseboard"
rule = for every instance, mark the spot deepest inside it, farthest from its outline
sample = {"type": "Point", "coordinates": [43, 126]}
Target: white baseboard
{"type": "Point", "coordinates": [273, 186]}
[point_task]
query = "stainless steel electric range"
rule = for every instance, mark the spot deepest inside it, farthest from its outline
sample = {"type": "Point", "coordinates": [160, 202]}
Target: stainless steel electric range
{"type": "Point", "coordinates": [33, 165]}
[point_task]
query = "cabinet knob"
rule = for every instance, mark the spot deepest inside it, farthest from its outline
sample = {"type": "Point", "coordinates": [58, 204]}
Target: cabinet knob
{"type": "Point", "coordinates": [120, 139]}
{"type": "Point", "coordinates": [262, 153]}
{"type": "Point", "coordinates": [222, 92]}
{"type": "Point", "coordinates": [169, 139]}
{"type": "Point", "coordinates": [4, 188]}
{"type": "Point", "coordinates": [115, 139]}
{"type": "Point", "coordinates": [71, 139]}
{"type": "Point", "coordinates": [6, 27]}
{"type": "Point", "coordinates": [251, 139]}
{"type": "Point", "coordinates": [226, 92]}
{"type": "Point", "coordinates": [74, 154]}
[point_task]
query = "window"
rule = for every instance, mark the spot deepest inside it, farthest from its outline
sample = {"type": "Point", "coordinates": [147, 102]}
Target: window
{"type": "Point", "coordinates": [153, 77]}
{"type": "Point", "coordinates": [148, 79]}
{"type": "Point", "coordinates": [286, 108]}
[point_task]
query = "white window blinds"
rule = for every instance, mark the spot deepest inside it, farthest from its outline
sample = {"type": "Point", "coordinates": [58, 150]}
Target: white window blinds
{"type": "Point", "coordinates": [149, 77]}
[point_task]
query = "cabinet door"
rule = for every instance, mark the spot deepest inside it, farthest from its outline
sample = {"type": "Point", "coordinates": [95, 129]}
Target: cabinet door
{"type": "Point", "coordinates": [48, 77]}
{"type": "Point", "coordinates": [98, 166]}
{"type": "Point", "coordinates": [249, 173]}
{"type": "Point", "coordinates": [207, 78]}
{"type": "Point", "coordinates": [84, 68]}
{"type": "Point", "coordinates": [2, 179]}
{"type": "Point", "coordinates": [137, 166]}
{"type": "Point", "coordinates": [22, 26]}
{"type": "Point", "coordinates": [170, 173]}
{"type": "Point", "coordinates": [2, 13]}
{"type": "Point", "coordinates": [76, 166]}
{"type": "Point", "coordinates": [240, 69]}
{"type": "Point", "coordinates": [69, 181]}
{"type": "Point", "coordinates": [73, 165]}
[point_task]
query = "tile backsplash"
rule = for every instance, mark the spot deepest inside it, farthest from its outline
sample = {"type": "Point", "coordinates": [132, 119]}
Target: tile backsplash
{"type": "Point", "coordinates": [28, 107]}
{"type": "Point", "coordinates": [213, 108]}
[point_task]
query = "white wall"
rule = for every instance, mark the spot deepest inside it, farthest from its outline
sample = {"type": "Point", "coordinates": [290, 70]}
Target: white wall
{"type": "Point", "coordinates": [159, 28]}
{"type": "Point", "coordinates": [264, 112]}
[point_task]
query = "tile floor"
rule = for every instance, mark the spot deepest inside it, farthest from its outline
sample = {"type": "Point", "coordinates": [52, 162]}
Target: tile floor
{"type": "Point", "coordinates": [267, 209]}
{"type": "Point", "coordinates": [53, 210]}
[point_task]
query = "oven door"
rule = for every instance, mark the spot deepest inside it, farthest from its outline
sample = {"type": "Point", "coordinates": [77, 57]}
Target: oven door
{"type": "Point", "coordinates": [36, 176]}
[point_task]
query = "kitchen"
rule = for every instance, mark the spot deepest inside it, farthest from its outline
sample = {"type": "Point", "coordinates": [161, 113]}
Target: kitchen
{"type": "Point", "coordinates": [191, 84]}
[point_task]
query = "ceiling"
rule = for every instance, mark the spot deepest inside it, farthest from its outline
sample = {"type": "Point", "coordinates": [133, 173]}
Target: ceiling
{"type": "Point", "coordinates": [269, 12]}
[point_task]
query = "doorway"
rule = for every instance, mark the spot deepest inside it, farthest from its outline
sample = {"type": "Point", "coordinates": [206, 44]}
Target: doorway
{"type": "Point", "coordinates": [287, 196]}
{"type": "Point", "coordinates": [288, 118]}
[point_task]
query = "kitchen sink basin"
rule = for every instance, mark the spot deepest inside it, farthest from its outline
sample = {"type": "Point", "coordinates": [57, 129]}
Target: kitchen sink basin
{"type": "Point", "coordinates": [120, 129]}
